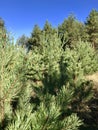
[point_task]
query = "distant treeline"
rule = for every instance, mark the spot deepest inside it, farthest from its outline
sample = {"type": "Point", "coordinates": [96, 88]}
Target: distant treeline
{"type": "Point", "coordinates": [70, 31]}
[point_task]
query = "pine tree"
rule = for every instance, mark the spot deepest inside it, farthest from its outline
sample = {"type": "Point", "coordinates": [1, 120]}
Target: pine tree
{"type": "Point", "coordinates": [77, 63]}
{"type": "Point", "coordinates": [54, 68]}
{"type": "Point", "coordinates": [48, 30]}
{"type": "Point", "coordinates": [92, 27]}
{"type": "Point", "coordinates": [11, 79]}
{"type": "Point", "coordinates": [22, 41]}
{"type": "Point", "coordinates": [71, 31]}
{"type": "Point", "coordinates": [21, 110]}
{"type": "Point", "coordinates": [34, 40]}
{"type": "Point", "coordinates": [2, 32]}
{"type": "Point", "coordinates": [50, 101]}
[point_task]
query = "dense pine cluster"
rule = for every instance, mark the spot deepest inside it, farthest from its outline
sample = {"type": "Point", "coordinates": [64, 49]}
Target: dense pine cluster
{"type": "Point", "coordinates": [43, 83]}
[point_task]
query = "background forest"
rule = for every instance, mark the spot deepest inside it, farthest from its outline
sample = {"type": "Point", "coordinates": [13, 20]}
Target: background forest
{"type": "Point", "coordinates": [46, 79]}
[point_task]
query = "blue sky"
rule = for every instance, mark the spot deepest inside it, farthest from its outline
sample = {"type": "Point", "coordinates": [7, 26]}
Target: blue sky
{"type": "Point", "coordinates": [20, 16]}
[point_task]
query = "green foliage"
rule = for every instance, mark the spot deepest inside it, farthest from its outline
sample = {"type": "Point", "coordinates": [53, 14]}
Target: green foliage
{"type": "Point", "coordinates": [47, 116]}
{"type": "Point", "coordinates": [76, 63]}
{"type": "Point", "coordinates": [22, 41]}
{"type": "Point", "coordinates": [2, 32]}
{"type": "Point", "coordinates": [37, 34]}
{"type": "Point", "coordinates": [56, 67]}
{"type": "Point", "coordinates": [12, 72]}
{"type": "Point", "coordinates": [45, 89]}
{"type": "Point", "coordinates": [48, 29]}
{"type": "Point", "coordinates": [22, 120]}
{"type": "Point", "coordinates": [71, 31]}
{"type": "Point", "coordinates": [46, 60]}
{"type": "Point", "coordinates": [92, 28]}
{"type": "Point", "coordinates": [81, 58]}
{"type": "Point", "coordinates": [47, 112]}
{"type": "Point", "coordinates": [35, 37]}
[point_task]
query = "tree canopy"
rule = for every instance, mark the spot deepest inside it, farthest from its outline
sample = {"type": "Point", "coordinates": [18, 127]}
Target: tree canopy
{"type": "Point", "coordinates": [92, 28]}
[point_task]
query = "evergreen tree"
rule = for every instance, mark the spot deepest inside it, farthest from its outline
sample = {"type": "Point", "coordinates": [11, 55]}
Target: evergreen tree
{"type": "Point", "coordinates": [34, 40]}
{"type": "Point", "coordinates": [71, 31]}
{"type": "Point", "coordinates": [1, 25]}
{"type": "Point", "coordinates": [92, 27]}
{"type": "Point", "coordinates": [12, 79]}
{"type": "Point", "coordinates": [2, 31]}
{"type": "Point", "coordinates": [47, 108]}
{"type": "Point", "coordinates": [77, 63]}
{"type": "Point", "coordinates": [55, 67]}
{"type": "Point", "coordinates": [22, 41]}
{"type": "Point", "coordinates": [48, 30]}
{"type": "Point", "coordinates": [21, 110]}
